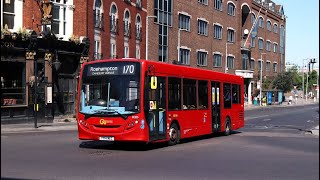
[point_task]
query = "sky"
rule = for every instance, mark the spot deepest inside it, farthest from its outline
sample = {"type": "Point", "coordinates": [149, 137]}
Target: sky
{"type": "Point", "coordinates": [302, 30]}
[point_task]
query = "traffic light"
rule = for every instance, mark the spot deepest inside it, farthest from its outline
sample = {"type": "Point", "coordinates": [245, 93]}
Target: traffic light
{"type": "Point", "coordinates": [41, 76]}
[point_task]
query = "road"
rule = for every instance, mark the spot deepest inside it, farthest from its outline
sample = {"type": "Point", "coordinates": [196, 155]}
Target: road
{"type": "Point", "coordinates": [273, 145]}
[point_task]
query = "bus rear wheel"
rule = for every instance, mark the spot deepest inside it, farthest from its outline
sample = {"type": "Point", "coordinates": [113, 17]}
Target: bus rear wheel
{"type": "Point", "coordinates": [227, 129]}
{"type": "Point", "coordinates": [174, 134]}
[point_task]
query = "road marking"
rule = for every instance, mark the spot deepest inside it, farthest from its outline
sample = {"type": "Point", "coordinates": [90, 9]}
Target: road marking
{"type": "Point", "coordinates": [249, 118]}
{"type": "Point", "coordinates": [266, 120]}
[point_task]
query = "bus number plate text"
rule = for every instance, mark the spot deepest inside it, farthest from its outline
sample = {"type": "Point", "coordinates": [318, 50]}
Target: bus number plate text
{"type": "Point", "coordinates": [106, 138]}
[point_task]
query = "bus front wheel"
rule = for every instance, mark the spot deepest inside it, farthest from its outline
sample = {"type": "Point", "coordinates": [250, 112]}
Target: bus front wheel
{"type": "Point", "coordinates": [174, 134]}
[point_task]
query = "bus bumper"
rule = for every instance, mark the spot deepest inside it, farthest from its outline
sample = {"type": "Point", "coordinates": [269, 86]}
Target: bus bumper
{"type": "Point", "coordinates": [135, 134]}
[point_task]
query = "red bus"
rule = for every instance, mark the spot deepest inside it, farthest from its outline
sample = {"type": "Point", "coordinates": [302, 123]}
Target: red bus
{"type": "Point", "coordinates": [148, 101]}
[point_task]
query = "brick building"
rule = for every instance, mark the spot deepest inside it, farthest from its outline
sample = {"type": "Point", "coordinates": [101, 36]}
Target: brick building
{"type": "Point", "coordinates": [213, 35]}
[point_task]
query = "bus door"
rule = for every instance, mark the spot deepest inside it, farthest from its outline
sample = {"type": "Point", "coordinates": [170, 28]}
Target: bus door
{"type": "Point", "coordinates": [215, 101]}
{"type": "Point", "coordinates": [156, 113]}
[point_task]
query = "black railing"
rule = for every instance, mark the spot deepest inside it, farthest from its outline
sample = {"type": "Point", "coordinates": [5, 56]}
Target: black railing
{"type": "Point", "coordinates": [127, 31]}
{"type": "Point", "coordinates": [138, 33]}
{"type": "Point", "coordinates": [97, 56]}
{"type": "Point", "coordinates": [98, 20]}
{"type": "Point", "coordinates": [113, 25]}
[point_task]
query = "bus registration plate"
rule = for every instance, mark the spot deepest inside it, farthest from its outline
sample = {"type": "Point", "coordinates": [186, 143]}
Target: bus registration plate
{"type": "Point", "coordinates": [106, 138]}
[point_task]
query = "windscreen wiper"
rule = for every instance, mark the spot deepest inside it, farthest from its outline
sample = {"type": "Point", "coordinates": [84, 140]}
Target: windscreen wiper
{"type": "Point", "coordinates": [114, 111]}
{"type": "Point", "coordinates": [103, 112]}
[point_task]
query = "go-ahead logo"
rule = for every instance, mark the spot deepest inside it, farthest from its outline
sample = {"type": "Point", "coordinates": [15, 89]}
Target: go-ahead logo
{"type": "Point", "coordinates": [104, 121]}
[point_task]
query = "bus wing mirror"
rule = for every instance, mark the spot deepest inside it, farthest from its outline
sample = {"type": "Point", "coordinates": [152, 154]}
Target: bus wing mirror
{"type": "Point", "coordinates": [153, 82]}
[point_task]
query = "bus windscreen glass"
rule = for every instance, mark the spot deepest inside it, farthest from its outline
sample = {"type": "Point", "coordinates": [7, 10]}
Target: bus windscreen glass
{"type": "Point", "coordinates": [110, 88]}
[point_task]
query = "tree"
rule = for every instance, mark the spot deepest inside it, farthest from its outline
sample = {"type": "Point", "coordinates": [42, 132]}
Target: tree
{"type": "Point", "coordinates": [284, 81]}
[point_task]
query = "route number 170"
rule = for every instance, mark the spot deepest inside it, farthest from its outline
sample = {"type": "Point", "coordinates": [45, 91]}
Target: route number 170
{"type": "Point", "coordinates": [128, 69]}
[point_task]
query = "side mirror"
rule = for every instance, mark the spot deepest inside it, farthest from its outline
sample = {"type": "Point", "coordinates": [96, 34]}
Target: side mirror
{"type": "Point", "coordinates": [154, 82]}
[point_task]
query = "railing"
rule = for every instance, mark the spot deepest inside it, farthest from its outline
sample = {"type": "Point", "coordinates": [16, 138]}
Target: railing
{"type": "Point", "coordinates": [98, 20]}
{"type": "Point", "coordinates": [127, 31]}
{"type": "Point", "coordinates": [97, 56]}
{"type": "Point", "coordinates": [138, 33]}
{"type": "Point", "coordinates": [113, 25]}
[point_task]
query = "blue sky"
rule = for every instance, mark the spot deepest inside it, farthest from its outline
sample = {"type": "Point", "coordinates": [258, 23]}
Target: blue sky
{"type": "Point", "coordinates": [302, 30]}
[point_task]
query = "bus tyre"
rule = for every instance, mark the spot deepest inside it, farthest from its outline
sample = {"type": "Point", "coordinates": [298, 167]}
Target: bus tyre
{"type": "Point", "coordinates": [174, 134]}
{"type": "Point", "coordinates": [227, 130]}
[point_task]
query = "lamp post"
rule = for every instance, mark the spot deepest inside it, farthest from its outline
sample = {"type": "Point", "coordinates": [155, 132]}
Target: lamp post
{"type": "Point", "coordinates": [303, 75]}
{"type": "Point", "coordinates": [147, 34]}
{"type": "Point", "coordinates": [179, 43]}
{"type": "Point", "coordinates": [226, 65]}
{"type": "Point", "coordinates": [261, 78]}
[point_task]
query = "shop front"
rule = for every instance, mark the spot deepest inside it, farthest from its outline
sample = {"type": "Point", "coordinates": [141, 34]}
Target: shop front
{"type": "Point", "coordinates": [38, 76]}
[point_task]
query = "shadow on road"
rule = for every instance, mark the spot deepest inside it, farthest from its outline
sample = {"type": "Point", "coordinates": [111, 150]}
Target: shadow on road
{"type": "Point", "coordinates": [136, 146]}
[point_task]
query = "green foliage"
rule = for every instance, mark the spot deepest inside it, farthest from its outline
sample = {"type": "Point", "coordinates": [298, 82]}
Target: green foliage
{"type": "Point", "coordinates": [287, 80]}
{"type": "Point", "coordinates": [284, 81]}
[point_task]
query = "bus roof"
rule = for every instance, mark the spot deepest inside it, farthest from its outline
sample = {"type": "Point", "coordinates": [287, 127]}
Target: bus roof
{"type": "Point", "coordinates": [178, 70]}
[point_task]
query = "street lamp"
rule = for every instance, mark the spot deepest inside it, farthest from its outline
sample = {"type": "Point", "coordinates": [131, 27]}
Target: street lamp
{"type": "Point", "coordinates": [261, 78]}
{"type": "Point", "coordinates": [147, 34]}
{"type": "Point", "coordinates": [179, 43]}
{"type": "Point", "coordinates": [225, 65]}
{"type": "Point", "coordinates": [303, 75]}
{"type": "Point", "coordinates": [312, 61]}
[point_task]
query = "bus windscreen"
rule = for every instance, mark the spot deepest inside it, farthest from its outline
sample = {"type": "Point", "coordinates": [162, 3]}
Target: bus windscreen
{"type": "Point", "coordinates": [110, 89]}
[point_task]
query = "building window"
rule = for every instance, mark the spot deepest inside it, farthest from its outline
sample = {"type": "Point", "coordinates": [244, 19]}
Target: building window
{"type": "Point", "coordinates": [253, 18]}
{"type": "Point", "coordinates": [218, 5]}
{"type": "Point", "coordinates": [275, 47]}
{"type": "Point", "coordinates": [163, 11]}
{"type": "Point", "coordinates": [231, 34]}
{"type": "Point", "coordinates": [184, 22]}
{"type": "Point", "coordinates": [275, 67]}
{"type": "Point", "coordinates": [245, 61]}
{"type": "Point", "coordinates": [202, 27]}
{"type": "Point", "coordinates": [217, 31]}
{"type": "Point", "coordinates": [268, 25]}
{"type": "Point", "coordinates": [275, 28]}
{"type": "Point", "coordinates": [268, 64]}
{"type": "Point", "coordinates": [139, 4]}
{"type": "Point", "coordinates": [217, 60]}
{"type": "Point", "coordinates": [138, 28]}
{"type": "Point", "coordinates": [252, 64]}
{"type": "Point", "coordinates": [260, 43]}
{"type": "Point", "coordinates": [97, 54]}
{"type": "Point", "coordinates": [113, 51]}
{"type": "Point", "coordinates": [174, 93]}
{"type": "Point", "coordinates": [113, 19]}
{"type": "Point", "coordinates": [184, 56]}
{"type": "Point", "coordinates": [98, 15]}
{"type": "Point", "coordinates": [231, 9]}
{"type": "Point", "coordinates": [205, 2]}
{"type": "Point", "coordinates": [126, 51]}
{"type": "Point", "coordinates": [13, 83]}
{"type": "Point", "coordinates": [59, 13]}
{"type": "Point", "coordinates": [268, 46]}
{"type": "Point", "coordinates": [202, 58]}
{"type": "Point", "coordinates": [8, 13]}
{"type": "Point", "coordinates": [261, 22]}
{"type": "Point", "coordinates": [253, 42]}
{"type": "Point", "coordinates": [259, 65]}
{"type": "Point", "coordinates": [127, 31]}
{"type": "Point", "coordinates": [230, 62]}
{"type": "Point", "coordinates": [138, 52]}
{"type": "Point", "coordinates": [282, 38]}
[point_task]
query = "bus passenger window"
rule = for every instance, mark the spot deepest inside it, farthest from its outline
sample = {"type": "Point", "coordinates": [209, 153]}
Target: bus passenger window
{"type": "Point", "coordinates": [203, 94]}
{"type": "Point", "coordinates": [227, 95]}
{"type": "Point", "coordinates": [189, 93]}
{"type": "Point", "coordinates": [235, 94]}
{"type": "Point", "coordinates": [174, 88]}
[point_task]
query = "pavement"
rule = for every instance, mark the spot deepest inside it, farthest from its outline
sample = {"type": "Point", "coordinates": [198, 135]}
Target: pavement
{"type": "Point", "coordinates": [67, 123]}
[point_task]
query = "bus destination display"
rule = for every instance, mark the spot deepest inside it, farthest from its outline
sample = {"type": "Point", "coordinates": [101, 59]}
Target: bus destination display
{"type": "Point", "coordinates": [111, 69]}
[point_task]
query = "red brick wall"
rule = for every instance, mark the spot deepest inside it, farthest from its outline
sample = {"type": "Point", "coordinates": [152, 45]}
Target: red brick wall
{"type": "Point", "coordinates": [31, 15]}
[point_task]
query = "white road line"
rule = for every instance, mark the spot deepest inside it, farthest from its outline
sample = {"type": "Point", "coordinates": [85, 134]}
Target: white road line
{"type": "Point", "coordinates": [249, 118]}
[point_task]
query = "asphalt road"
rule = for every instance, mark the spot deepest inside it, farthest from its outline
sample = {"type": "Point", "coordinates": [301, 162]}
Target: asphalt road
{"type": "Point", "coordinates": [273, 145]}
